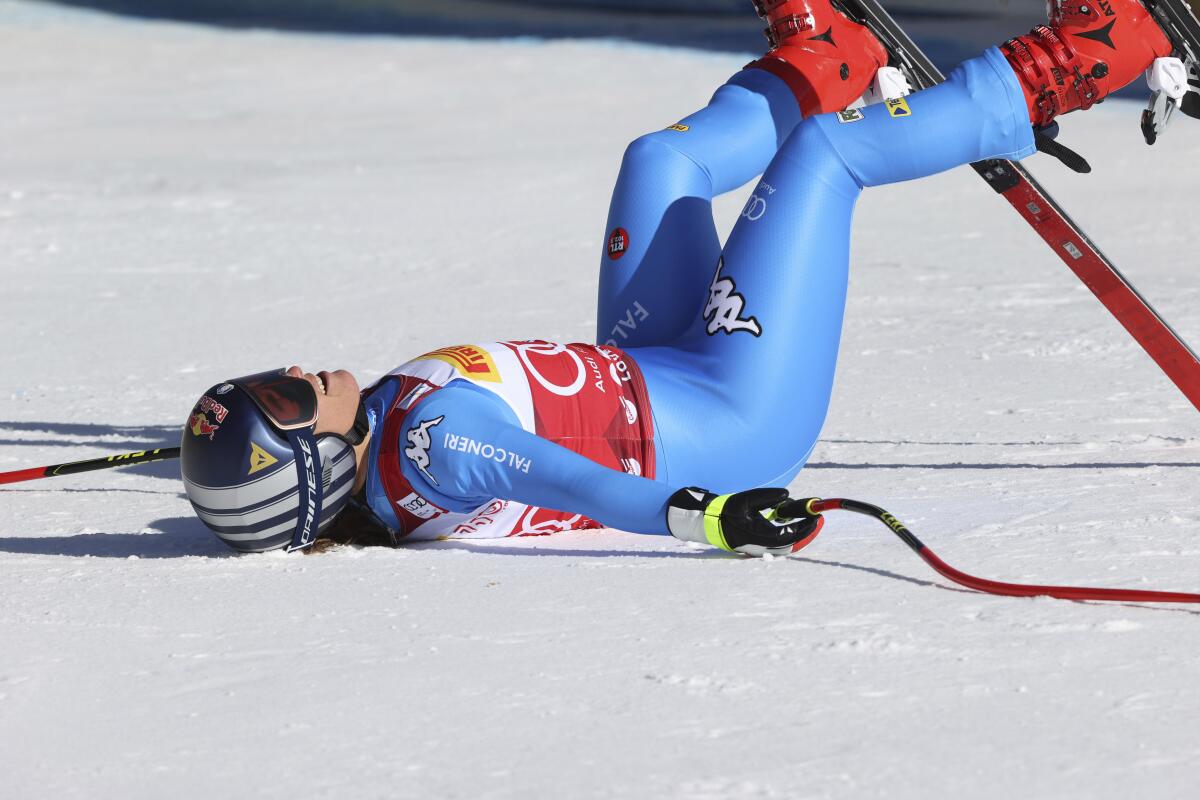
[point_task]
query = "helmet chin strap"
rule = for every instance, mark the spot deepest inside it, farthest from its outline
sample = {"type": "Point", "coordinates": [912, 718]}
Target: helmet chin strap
{"type": "Point", "coordinates": [309, 478]}
{"type": "Point", "coordinates": [308, 473]}
{"type": "Point", "coordinates": [362, 426]}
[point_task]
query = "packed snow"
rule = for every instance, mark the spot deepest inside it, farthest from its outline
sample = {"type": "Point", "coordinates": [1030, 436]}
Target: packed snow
{"type": "Point", "coordinates": [177, 203]}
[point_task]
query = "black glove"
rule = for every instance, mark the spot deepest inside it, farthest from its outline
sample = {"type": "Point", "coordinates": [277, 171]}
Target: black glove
{"type": "Point", "coordinates": [746, 522]}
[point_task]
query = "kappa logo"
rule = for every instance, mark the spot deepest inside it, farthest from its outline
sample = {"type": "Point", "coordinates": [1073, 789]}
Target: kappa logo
{"type": "Point", "coordinates": [850, 115]}
{"type": "Point", "coordinates": [898, 107]}
{"type": "Point", "coordinates": [260, 459]}
{"type": "Point", "coordinates": [420, 442]}
{"type": "Point", "coordinates": [469, 360]}
{"type": "Point", "coordinates": [723, 312]}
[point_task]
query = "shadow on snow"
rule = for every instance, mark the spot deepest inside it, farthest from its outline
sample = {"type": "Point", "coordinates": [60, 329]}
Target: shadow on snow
{"type": "Point", "coordinates": [173, 537]}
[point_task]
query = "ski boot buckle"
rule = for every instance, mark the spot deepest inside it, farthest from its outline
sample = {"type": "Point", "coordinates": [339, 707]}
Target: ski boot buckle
{"type": "Point", "coordinates": [787, 27]}
{"type": "Point", "coordinates": [1084, 9]}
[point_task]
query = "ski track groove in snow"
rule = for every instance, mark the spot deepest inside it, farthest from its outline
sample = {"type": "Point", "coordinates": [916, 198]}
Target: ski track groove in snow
{"type": "Point", "coordinates": [165, 188]}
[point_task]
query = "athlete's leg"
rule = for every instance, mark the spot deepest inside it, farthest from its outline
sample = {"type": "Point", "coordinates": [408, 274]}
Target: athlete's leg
{"type": "Point", "coordinates": [740, 399]}
{"type": "Point", "coordinates": [660, 231]}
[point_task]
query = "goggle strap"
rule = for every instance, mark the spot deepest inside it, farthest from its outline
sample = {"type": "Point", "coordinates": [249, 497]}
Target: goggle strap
{"type": "Point", "coordinates": [312, 490]}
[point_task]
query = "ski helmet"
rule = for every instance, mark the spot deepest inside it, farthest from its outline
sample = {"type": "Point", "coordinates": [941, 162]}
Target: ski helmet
{"type": "Point", "coordinates": [253, 469]}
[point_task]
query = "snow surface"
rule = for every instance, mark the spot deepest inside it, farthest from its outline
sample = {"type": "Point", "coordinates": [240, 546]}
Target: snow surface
{"type": "Point", "coordinates": [171, 196]}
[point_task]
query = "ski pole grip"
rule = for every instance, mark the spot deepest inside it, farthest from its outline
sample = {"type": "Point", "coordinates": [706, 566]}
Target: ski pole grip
{"type": "Point", "coordinates": [798, 508]}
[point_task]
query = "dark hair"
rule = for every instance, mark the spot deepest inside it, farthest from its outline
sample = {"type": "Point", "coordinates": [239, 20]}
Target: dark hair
{"type": "Point", "coordinates": [354, 527]}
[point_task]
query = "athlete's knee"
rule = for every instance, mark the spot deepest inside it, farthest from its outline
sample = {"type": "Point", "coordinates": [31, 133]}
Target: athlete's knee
{"type": "Point", "coordinates": [808, 139]}
{"type": "Point", "coordinates": [652, 154]}
{"type": "Point", "coordinates": [812, 151]}
{"type": "Point", "coordinates": [758, 92]}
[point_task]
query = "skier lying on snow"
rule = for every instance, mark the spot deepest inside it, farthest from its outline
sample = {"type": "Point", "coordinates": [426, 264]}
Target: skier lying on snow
{"type": "Point", "coordinates": [723, 377]}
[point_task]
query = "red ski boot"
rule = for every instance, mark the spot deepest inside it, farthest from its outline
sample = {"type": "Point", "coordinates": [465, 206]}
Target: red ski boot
{"type": "Point", "coordinates": [826, 59]}
{"type": "Point", "coordinates": [1090, 49]}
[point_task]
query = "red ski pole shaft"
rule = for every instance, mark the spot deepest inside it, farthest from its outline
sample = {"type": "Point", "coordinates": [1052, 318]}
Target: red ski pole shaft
{"type": "Point", "coordinates": [75, 467]}
{"type": "Point", "coordinates": [816, 507]}
{"type": "Point", "coordinates": [1060, 592]}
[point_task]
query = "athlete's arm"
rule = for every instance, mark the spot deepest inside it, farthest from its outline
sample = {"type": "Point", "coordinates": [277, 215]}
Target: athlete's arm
{"type": "Point", "coordinates": [462, 447]}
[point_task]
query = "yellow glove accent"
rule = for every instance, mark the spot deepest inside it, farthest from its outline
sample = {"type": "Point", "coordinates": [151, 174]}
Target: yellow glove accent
{"type": "Point", "coordinates": [712, 523]}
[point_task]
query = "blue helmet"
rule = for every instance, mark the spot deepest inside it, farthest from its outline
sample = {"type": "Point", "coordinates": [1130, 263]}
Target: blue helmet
{"type": "Point", "coordinates": [253, 470]}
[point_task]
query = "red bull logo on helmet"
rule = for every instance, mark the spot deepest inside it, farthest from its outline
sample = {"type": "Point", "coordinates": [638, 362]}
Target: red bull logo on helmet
{"type": "Point", "coordinates": [199, 425]}
{"type": "Point", "coordinates": [208, 405]}
{"type": "Point", "coordinates": [198, 422]}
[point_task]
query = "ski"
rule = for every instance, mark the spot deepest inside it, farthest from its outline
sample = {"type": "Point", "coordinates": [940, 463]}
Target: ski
{"type": "Point", "coordinates": [1047, 218]}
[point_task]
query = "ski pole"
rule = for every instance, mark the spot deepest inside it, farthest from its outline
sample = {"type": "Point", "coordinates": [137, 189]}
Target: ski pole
{"type": "Point", "coordinates": [816, 507]}
{"type": "Point", "coordinates": [75, 467]}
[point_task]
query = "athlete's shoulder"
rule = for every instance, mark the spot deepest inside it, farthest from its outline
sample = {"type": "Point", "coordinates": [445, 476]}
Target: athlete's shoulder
{"type": "Point", "coordinates": [461, 402]}
{"type": "Point", "coordinates": [438, 424]}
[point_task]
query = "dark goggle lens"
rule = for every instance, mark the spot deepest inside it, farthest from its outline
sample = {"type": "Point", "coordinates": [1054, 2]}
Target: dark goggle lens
{"type": "Point", "coordinates": [288, 402]}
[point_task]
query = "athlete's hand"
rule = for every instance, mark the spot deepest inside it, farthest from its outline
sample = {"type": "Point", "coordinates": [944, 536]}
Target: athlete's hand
{"type": "Point", "coordinates": [746, 522]}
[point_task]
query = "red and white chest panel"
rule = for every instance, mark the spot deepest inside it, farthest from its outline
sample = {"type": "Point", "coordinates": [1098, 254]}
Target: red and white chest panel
{"type": "Point", "coordinates": [589, 399]}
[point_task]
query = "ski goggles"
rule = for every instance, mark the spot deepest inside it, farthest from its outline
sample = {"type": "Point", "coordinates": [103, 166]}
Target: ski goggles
{"type": "Point", "coordinates": [290, 406]}
{"type": "Point", "coordinates": [290, 403]}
